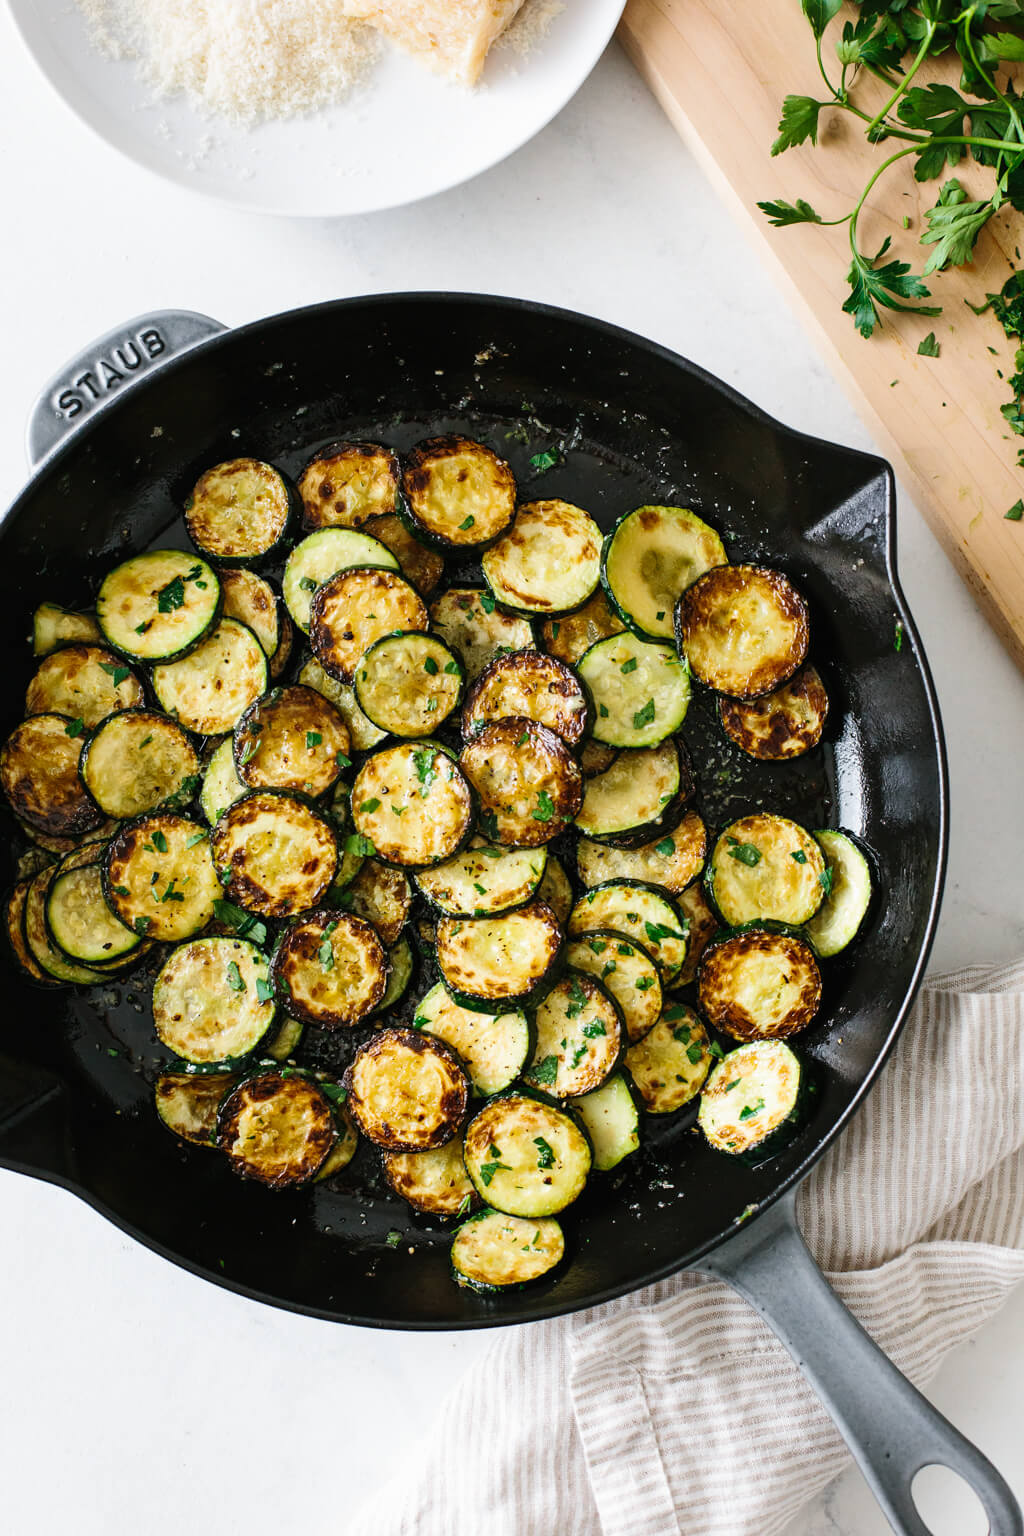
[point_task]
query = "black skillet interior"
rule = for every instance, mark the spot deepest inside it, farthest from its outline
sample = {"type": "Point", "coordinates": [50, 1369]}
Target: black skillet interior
{"type": "Point", "coordinates": [633, 423]}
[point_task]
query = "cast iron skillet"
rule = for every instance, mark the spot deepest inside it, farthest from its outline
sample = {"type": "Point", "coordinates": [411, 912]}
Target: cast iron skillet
{"type": "Point", "coordinates": [635, 423]}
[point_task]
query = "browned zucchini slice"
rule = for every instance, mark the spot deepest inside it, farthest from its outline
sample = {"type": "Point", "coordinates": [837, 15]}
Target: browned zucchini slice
{"type": "Point", "coordinates": [411, 804]}
{"type": "Point", "coordinates": [670, 1064]}
{"type": "Point", "coordinates": [703, 925]}
{"type": "Point", "coordinates": [406, 1091]}
{"type": "Point", "coordinates": [626, 971]}
{"type": "Point", "coordinates": [408, 684]}
{"type": "Point", "coordinates": [468, 620]}
{"type": "Point", "coordinates": [344, 1149]}
{"type": "Point", "coordinates": [673, 860]}
{"type": "Point", "coordinates": [283, 654]}
{"type": "Point", "coordinates": [637, 911]}
{"type": "Point", "coordinates": [238, 510]}
{"type": "Point", "coordinates": [483, 879]}
{"type": "Point", "coordinates": [419, 565]}
{"type": "Point", "coordinates": [212, 1000]}
{"type": "Point", "coordinates": [596, 757]}
{"type": "Point", "coordinates": [221, 784]}
{"type": "Point", "coordinates": [530, 786]}
{"type": "Point", "coordinates": [548, 562]}
{"type": "Point", "coordinates": [157, 606]}
{"type": "Point", "coordinates": [744, 629]}
{"type": "Point", "coordinates": [526, 1158]}
{"type": "Point", "coordinates": [579, 1038]}
{"type": "Point", "coordinates": [530, 685]}
{"type": "Point", "coordinates": [641, 690]}
{"type": "Point", "coordinates": [493, 1047]}
{"type": "Point", "coordinates": [347, 483]}
{"type": "Point", "coordinates": [567, 638]}
{"type": "Point", "coordinates": [784, 723]}
{"type": "Point", "coordinates": [208, 690]}
{"type": "Point", "coordinates": [635, 798]}
{"type": "Point", "coordinates": [435, 1182]}
{"type": "Point", "coordinates": [765, 868]}
{"type": "Point", "coordinates": [188, 1102]}
{"type": "Point", "coordinates": [321, 555]}
{"type": "Point", "coordinates": [37, 936]}
{"type": "Point", "coordinates": [755, 1101]}
{"type": "Point", "coordinates": [330, 969]}
{"type": "Point", "coordinates": [275, 854]}
{"type": "Point", "coordinates": [364, 734]}
{"type": "Point", "coordinates": [504, 961]}
{"type": "Point", "coordinates": [80, 922]}
{"type": "Point", "coordinates": [39, 773]}
{"type": "Point", "coordinates": [457, 493]}
{"type": "Point", "coordinates": [160, 878]}
{"type": "Point", "coordinates": [136, 761]}
{"type": "Point", "coordinates": [495, 1252]}
{"type": "Point", "coordinates": [291, 739]}
{"type": "Point", "coordinates": [85, 682]}
{"type": "Point", "coordinates": [53, 626]}
{"type": "Point", "coordinates": [554, 890]}
{"type": "Point", "coordinates": [277, 1128]}
{"type": "Point", "coordinates": [757, 985]}
{"type": "Point", "coordinates": [14, 915]}
{"type": "Point", "coordinates": [651, 556]}
{"type": "Point", "coordinates": [253, 602]}
{"type": "Point", "coordinates": [353, 609]}
{"type": "Point", "coordinates": [382, 895]}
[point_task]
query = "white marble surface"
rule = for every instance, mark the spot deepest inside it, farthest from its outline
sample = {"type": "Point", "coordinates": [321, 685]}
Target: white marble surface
{"type": "Point", "coordinates": [128, 1387]}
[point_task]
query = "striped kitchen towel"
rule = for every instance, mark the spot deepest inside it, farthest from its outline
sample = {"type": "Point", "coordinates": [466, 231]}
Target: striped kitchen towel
{"type": "Point", "coordinates": [676, 1410]}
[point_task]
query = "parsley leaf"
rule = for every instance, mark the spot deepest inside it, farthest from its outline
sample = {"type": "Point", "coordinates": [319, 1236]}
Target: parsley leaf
{"type": "Point", "coordinates": [545, 1155]}
{"type": "Point", "coordinates": [325, 954]}
{"type": "Point", "coordinates": [666, 847]}
{"type": "Point", "coordinates": [542, 461]}
{"type": "Point", "coordinates": [245, 924]}
{"type": "Point", "coordinates": [929, 347]}
{"type": "Point", "coordinates": [781, 214]}
{"type": "Point", "coordinates": [172, 596]}
{"type": "Point", "coordinates": [545, 1071]}
{"type": "Point", "coordinates": [488, 1170]}
{"type": "Point", "coordinates": [74, 728]}
{"type": "Point", "coordinates": [118, 674]}
{"type": "Point", "coordinates": [235, 981]}
{"type": "Point", "coordinates": [371, 805]}
{"type": "Point", "coordinates": [798, 123]}
{"type": "Point", "coordinates": [825, 879]}
{"type": "Point", "coordinates": [313, 739]}
{"type": "Point", "coordinates": [430, 666]}
{"type": "Point", "coordinates": [954, 225]}
{"type": "Point", "coordinates": [629, 666]}
{"type": "Point", "coordinates": [264, 991]}
{"type": "Point", "coordinates": [799, 856]}
{"type": "Point", "coordinates": [361, 846]}
{"type": "Point", "coordinates": [751, 1109]}
{"type": "Point", "coordinates": [883, 287]}
{"type": "Point", "coordinates": [1016, 512]}
{"type": "Point", "coordinates": [467, 522]}
{"type": "Point", "coordinates": [545, 806]}
{"type": "Point", "coordinates": [594, 1029]}
{"type": "Point", "coordinates": [644, 716]}
{"type": "Point", "coordinates": [745, 853]}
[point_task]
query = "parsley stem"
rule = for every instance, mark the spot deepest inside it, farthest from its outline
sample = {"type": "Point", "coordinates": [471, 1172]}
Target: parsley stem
{"type": "Point", "coordinates": [966, 18]}
{"type": "Point", "coordinates": [840, 94]}
{"type": "Point", "coordinates": [922, 54]}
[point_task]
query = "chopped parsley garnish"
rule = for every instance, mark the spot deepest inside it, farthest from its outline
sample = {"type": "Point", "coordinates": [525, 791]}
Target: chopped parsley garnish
{"type": "Point", "coordinates": [464, 1205]}
{"type": "Point", "coordinates": [578, 999]}
{"type": "Point", "coordinates": [146, 742]}
{"type": "Point", "coordinates": [313, 739]}
{"type": "Point", "coordinates": [546, 1070]}
{"type": "Point", "coordinates": [431, 706]}
{"type": "Point", "coordinates": [825, 880]}
{"type": "Point", "coordinates": [342, 761]}
{"type": "Point", "coordinates": [488, 1170]}
{"type": "Point", "coordinates": [420, 1021]}
{"type": "Point", "coordinates": [545, 1155]}
{"type": "Point", "coordinates": [487, 601]}
{"type": "Point", "coordinates": [1016, 512]}
{"type": "Point", "coordinates": [602, 710]}
{"type": "Point", "coordinates": [235, 981]}
{"type": "Point", "coordinates": [172, 596]}
{"type": "Point", "coordinates": [799, 856]}
{"type": "Point", "coordinates": [423, 761]}
{"type": "Point", "coordinates": [658, 931]}
{"type": "Point", "coordinates": [524, 738]}
{"type": "Point", "coordinates": [630, 665]}
{"type": "Point", "coordinates": [249, 751]}
{"type": "Point", "coordinates": [598, 945]}
{"type": "Point", "coordinates": [666, 847]}
{"type": "Point", "coordinates": [929, 347]}
{"type": "Point", "coordinates": [717, 1051]}
{"type": "Point", "coordinates": [897, 637]}
{"type": "Point", "coordinates": [264, 991]}
{"type": "Point", "coordinates": [371, 805]}
{"type": "Point", "coordinates": [120, 890]}
{"type": "Point", "coordinates": [481, 890]}
{"type": "Point", "coordinates": [142, 924]}
{"type": "Point", "coordinates": [393, 1239]}
{"type": "Point", "coordinates": [545, 807]}
{"type": "Point", "coordinates": [171, 894]}
{"type": "Point", "coordinates": [74, 728]}
{"type": "Point", "coordinates": [118, 674]}
{"type": "Point", "coordinates": [751, 1109]}
{"type": "Point", "coordinates": [578, 1054]}
{"type": "Point", "coordinates": [244, 923]}
{"type": "Point", "coordinates": [644, 983]}
{"type": "Point", "coordinates": [745, 853]}
{"type": "Point", "coordinates": [325, 954]}
{"type": "Point", "coordinates": [682, 1033]}
{"type": "Point", "coordinates": [362, 847]}
{"type": "Point", "coordinates": [489, 822]}
{"type": "Point", "coordinates": [467, 522]}
{"type": "Point", "coordinates": [452, 667]}
{"type": "Point", "coordinates": [592, 1030]}
{"type": "Point", "coordinates": [694, 1053]}
{"type": "Point", "coordinates": [644, 716]}
{"type": "Point", "coordinates": [734, 1084]}
{"type": "Point", "coordinates": [543, 461]}
{"type": "Point", "coordinates": [430, 666]}
{"type": "Point", "coordinates": [307, 584]}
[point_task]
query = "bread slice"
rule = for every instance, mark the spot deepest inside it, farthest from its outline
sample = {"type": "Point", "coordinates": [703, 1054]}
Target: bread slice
{"type": "Point", "coordinates": [453, 36]}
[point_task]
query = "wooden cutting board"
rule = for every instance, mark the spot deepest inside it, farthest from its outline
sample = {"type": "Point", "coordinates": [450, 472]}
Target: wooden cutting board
{"type": "Point", "coordinates": [721, 68]}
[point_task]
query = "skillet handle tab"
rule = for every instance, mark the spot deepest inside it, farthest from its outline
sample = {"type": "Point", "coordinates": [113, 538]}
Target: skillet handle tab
{"type": "Point", "coordinates": [892, 1430]}
{"type": "Point", "coordinates": [107, 367]}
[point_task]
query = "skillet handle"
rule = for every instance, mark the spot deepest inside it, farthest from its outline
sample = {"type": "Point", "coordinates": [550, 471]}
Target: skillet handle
{"type": "Point", "coordinates": [106, 367]}
{"type": "Point", "coordinates": [891, 1429]}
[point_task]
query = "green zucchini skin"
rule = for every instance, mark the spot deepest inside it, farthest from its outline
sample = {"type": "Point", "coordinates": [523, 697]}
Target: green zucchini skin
{"type": "Point", "coordinates": [782, 724]}
{"type": "Point", "coordinates": [79, 921]}
{"type": "Point", "coordinates": [286, 879]}
{"type": "Point", "coordinates": [426, 785]}
{"type": "Point", "coordinates": [188, 1103]}
{"type": "Point", "coordinates": [640, 690]}
{"type": "Point", "coordinates": [670, 1064]}
{"type": "Point", "coordinates": [579, 1037]}
{"type": "Point", "coordinates": [638, 798]}
{"type": "Point", "coordinates": [493, 1047]}
{"type": "Point", "coordinates": [213, 1004]}
{"type": "Point", "coordinates": [17, 942]}
{"type": "Point", "coordinates": [321, 555]}
{"type": "Point", "coordinates": [756, 1101]}
{"type": "Point", "coordinates": [476, 629]}
{"type": "Point", "coordinates": [401, 970]}
{"type": "Point", "coordinates": [529, 685]}
{"type": "Point", "coordinates": [159, 606]}
{"type": "Point", "coordinates": [626, 971]}
{"type": "Point", "coordinates": [210, 688]}
{"type": "Point", "coordinates": [408, 684]}
{"type": "Point", "coordinates": [484, 879]}
{"type": "Point", "coordinates": [240, 511]}
{"type": "Point", "coordinates": [110, 770]}
{"type": "Point", "coordinates": [159, 877]}
{"type": "Point", "coordinates": [529, 785]}
{"type": "Point", "coordinates": [493, 1253]}
{"type": "Point", "coordinates": [841, 915]}
{"type": "Point", "coordinates": [549, 561]}
{"type": "Point", "coordinates": [283, 1044]}
{"type": "Point", "coordinates": [457, 495]}
{"type": "Point", "coordinates": [526, 1157]}
{"type": "Point", "coordinates": [612, 1120]}
{"type": "Point", "coordinates": [650, 557]}
{"type": "Point", "coordinates": [644, 913]}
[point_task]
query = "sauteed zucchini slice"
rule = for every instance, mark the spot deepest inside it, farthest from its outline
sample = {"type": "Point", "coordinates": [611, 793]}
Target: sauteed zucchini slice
{"type": "Point", "coordinates": [37, 936]}
{"type": "Point", "coordinates": [238, 510]}
{"type": "Point", "coordinates": [285, 1040]}
{"type": "Point", "coordinates": [291, 739]}
{"type": "Point", "coordinates": [595, 757]}
{"type": "Point", "coordinates": [14, 917]}
{"type": "Point", "coordinates": [637, 911]}
{"type": "Point", "coordinates": [407, 1092]}
{"type": "Point", "coordinates": [158, 606]}
{"type": "Point", "coordinates": [160, 880]}
{"type": "Point", "coordinates": [554, 890]}
{"type": "Point", "coordinates": [421, 566]}
{"type": "Point", "coordinates": [744, 629]}
{"type": "Point", "coordinates": [347, 1143]}
{"type": "Point", "coordinates": [493, 963]}
{"type": "Point", "coordinates": [612, 1122]}
{"type": "Point", "coordinates": [347, 483]}
{"type": "Point", "coordinates": [457, 493]}
{"type": "Point", "coordinates": [363, 733]}
{"type": "Point", "coordinates": [650, 557]}
{"type": "Point", "coordinates": [670, 1064]}
{"type": "Point", "coordinates": [531, 685]}
{"type": "Point", "coordinates": [84, 682]}
{"type": "Point", "coordinates": [136, 761]}
{"type": "Point", "coordinates": [188, 1104]}
{"type": "Point", "coordinates": [764, 868]}
{"type": "Point", "coordinates": [212, 1000]}
{"type": "Point", "coordinates": [525, 1157]}
{"type": "Point", "coordinates": [207, 690]}
{"type": "Point", "coordinates": [672, 860]}
{"type": "Point", "coordinates": [493, 1047]}
{"type": "Point", "coordinates": [401, 965]}
{"type": "Point", "coordinates": [782, 724]}
{"type": "Point", "coordinates": [569, 636]}
{"type": "Point", "coordinates": [641, 691]}
{"type": "Point", "coordinates": [278, 1128]}
{"type": "Point", "coordinates": [274, 854]}
{"type": "Point", "coordinates": [353, 609]}
{"type": "Point", "coordinates": [758, 985]}
{"type": "Point", "coordinates": [281, 657]}
{"type": "Point", "coordinates": [39, 773]}
{"type": "Point", "coordinates": [434, 1182]}
{"type": "Point", "coordinates": [579, 1038]}
{"type": "Point", "coordinates": [80, 922]}
{"type": "Point", "coordinates": [483, 879]}
{"type": "Point", "coordinates": [330, 969]}
{"type": "Point", "coordinates": [494, 1252]}
{"type": "Point", "coordinates": [221, 784]}
{"type": "Point", "coordinates": [468, 620]}
{"type": "Point", "coordinates": [754, 1101]}
{"type": "Point", "coordinates": [702, 926]}
{"type": "Point", "coordinates": [408, 684]}
{"type": "Point", "coordinates": [548, 562]}
{"type": "Point", "coordinates": [626, 971]}
{"type": "Point", "coordinates": [636, 798]}
{"type": "Point", "coordinates": [253, 602]}
{"type": "Point", "coordinates": [848, 878]}
{"type": "Point", "coordinates": [530, 787]}
{"type": "Point", "coordinates": [318, 557]}
{"type": "Point", "coordinates": [382, 895]}
{"type": "Point", "coordinates": [411, 804]}
{"type": "Point", "coordinates": [53, 626]}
